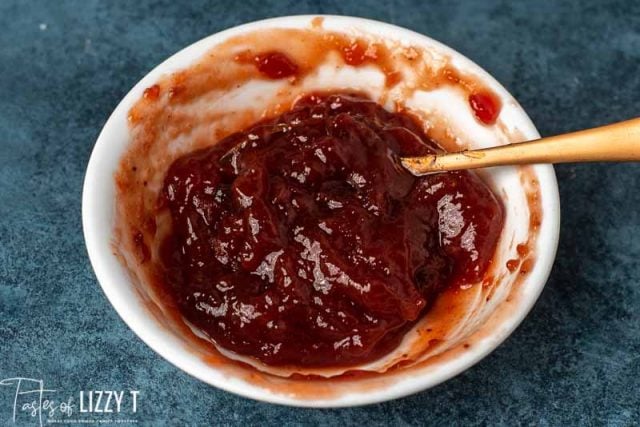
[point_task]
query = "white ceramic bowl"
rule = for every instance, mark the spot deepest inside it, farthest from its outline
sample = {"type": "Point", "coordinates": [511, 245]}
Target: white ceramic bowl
{"type": "Point", "coordinates": [487, 327]}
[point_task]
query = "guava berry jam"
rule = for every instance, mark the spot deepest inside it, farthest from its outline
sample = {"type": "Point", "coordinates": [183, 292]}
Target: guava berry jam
{"type": "Point", "coordinates": [303, 241]}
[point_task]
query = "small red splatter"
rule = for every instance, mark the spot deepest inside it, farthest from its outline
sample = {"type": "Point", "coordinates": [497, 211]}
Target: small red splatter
{"type": "Point", "coordinates": [275, 65]}
{"type": "Point", "coordinates": [355, 53]}
{"type": "Point", "coordinates": [486, 107]}
{"type": "Point", "coordinates": [523, 249]}
{"type": "Point", "coordinates": [152, 93]}
{"type": "Point", "coordinates": [513, 264]}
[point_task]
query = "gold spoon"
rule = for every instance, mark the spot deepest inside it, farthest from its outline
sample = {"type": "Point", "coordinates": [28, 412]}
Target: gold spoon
{"type": "Point", "coordinates": [618, 142]}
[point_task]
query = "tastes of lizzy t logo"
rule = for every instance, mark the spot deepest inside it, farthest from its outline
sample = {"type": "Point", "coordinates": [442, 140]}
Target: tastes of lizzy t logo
{"type": "Point", "coordinates": [31, 402]}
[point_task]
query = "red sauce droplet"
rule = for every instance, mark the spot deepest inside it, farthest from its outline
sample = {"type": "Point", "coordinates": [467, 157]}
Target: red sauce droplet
{"type": "Point", "coordinates": [151, 93]}
{"type": "Point", "coordinates": [275, 65]}
{"type": "Point", "coordinates": [523, 249]}
{"type": "Point", "coordinates": [486, 107]}
{"type": "Point", "coordinates": [512, 265]}
{"type": "Point", "coordinates": [317, 22]}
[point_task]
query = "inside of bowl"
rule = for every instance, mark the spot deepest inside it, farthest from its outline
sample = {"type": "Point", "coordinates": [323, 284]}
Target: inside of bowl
{"type": "Point", "coordinates": [447, 118]}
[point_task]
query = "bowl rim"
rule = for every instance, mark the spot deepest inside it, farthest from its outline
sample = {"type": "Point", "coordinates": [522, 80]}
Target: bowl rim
{"type": "Point", "coordinates": [102, 260]}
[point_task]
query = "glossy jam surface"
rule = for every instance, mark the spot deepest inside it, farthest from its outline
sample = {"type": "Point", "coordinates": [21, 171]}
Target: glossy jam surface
{"type": "Point", "coordinates": [302, 241]}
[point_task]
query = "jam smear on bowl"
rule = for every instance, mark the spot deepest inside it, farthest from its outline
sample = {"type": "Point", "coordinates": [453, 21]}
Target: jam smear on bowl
{"type": "Point", "coordinates": [275, 65]}
{"type": "Point", "coordinates": [303, 241]}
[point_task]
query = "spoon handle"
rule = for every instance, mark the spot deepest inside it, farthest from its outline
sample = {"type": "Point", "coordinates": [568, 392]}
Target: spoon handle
{"type": "Point", "coordinates": [618, 142]}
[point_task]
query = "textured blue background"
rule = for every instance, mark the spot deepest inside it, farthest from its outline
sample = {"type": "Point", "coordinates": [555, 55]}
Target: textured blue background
{"type": "Point", "coordinates": [64, 65]}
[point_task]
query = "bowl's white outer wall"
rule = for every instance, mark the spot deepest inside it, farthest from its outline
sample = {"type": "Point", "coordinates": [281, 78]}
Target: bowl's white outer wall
{"type": "Point", "coordinates": [98, 210]}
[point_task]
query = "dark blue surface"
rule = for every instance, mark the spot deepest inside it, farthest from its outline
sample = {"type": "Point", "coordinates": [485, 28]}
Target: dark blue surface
{"type": "Point", "coordinates": [64, 65]}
